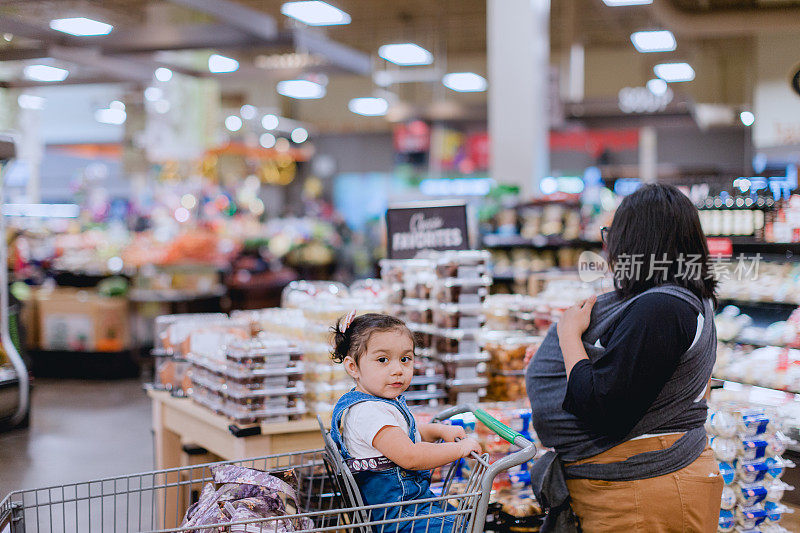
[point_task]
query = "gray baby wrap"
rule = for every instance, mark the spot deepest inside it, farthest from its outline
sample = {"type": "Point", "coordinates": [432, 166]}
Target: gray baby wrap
{"type": "Point", "coordinates": [679, 407]}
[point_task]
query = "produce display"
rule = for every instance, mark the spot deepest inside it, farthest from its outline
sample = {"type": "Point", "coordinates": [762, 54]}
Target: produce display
{"type": "Point", "coordinates": [749, 440]}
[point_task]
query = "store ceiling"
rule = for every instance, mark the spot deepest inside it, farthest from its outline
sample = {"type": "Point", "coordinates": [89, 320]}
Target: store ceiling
{"type": "Point", "coordinates": [259, 36]}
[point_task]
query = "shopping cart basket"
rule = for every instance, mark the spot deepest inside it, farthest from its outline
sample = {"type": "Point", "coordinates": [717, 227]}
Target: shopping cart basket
{"type": "Point", "coordinates": [328, 497]}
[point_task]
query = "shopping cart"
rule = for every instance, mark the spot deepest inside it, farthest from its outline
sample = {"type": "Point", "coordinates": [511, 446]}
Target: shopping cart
{"type": "Point", "coordinates": [328, 497]}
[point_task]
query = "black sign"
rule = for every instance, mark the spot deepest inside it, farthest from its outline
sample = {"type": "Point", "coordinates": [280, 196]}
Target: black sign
{"type": "Point", "coordinates": [426, 226]}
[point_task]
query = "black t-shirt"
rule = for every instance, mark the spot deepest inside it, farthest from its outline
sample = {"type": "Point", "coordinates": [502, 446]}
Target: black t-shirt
{"type": "Point", "coordinates": [643, 349]}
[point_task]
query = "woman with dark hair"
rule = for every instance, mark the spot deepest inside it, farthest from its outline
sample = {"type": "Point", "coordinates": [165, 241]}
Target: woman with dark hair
{"type": "Point", "coordinates": [618, 387]}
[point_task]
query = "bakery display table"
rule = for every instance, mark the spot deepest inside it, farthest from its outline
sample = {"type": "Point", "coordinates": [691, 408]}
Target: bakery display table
{"type": "Point", "coordinates": [178, 422]}
{"type": "Point", "coordinates": [187, 434]}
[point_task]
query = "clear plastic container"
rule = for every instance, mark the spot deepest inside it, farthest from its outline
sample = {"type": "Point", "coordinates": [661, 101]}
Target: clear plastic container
{"type": "Point", "coordinates": [457, 341]}
{"type": "Point", "coordinates": [458, 316]}
{"type": "Point", "coordinates": [508, 353]}
{"type": "Point", "coordinates": [462, 263]}
{"type": "Point", "coordinates": [459, 290]}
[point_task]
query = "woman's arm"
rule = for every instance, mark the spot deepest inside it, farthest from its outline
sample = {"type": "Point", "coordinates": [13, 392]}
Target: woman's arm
{"type": "Point", "coordinates": [612, 392]}
{"type": "Point", "coordinates": [394, 443]}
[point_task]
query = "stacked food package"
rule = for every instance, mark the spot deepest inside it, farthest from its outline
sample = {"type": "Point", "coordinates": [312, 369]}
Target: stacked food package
{"type": "Point", "coordinates": [324, 381]}
{"type": "Point", "coordinates": [173, 342]}
{"type": "Point", "coordinates": [748, 441]}
{"type": "Point", "coordinates": [310, 309]}
{"type": "Point", "coordinates": [251, 380]}
{"type": "Point", "coordinates": [225, 366]}
{"type": "Point", "coordinates": [441, 298]}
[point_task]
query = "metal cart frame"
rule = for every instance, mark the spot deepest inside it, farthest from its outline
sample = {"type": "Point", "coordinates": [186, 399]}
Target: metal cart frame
{"type": "Point", "coordinates": [328, 497]}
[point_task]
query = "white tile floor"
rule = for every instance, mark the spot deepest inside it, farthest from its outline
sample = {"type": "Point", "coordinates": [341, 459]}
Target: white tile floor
{"type": "Point", "coordinates": [80, 430]}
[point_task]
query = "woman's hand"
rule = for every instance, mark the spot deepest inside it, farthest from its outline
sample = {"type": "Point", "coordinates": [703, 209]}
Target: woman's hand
{"type": "Point", "coordinates": [573, 323]}
{"type": "Point", "coordinates": [575, 320]}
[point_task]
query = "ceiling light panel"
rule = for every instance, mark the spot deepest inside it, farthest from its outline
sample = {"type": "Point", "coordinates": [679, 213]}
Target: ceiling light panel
{"type": "Point", "coordinates": [218, 64]}
{"type": "Point", "coordinates": [45, 73]}
{"type": "Point", "coordinates": [315, 13]}
{"type": "Point", "coordinates": [301, 89]}
{"type": "Point", "coordinates": [674, 72]}
{"type": "Point", "coordinates": [405, 54]}
{"type": "Point", "coordinates": [370, 107]}
{"type": "Point", "coordinates": [81, 26]}
{"type": "Point", "coordinates": [654, 41]}
{"type": "Point", "coordinates": [464, 82]}
{"type": "Point", "coordinates": [620, 3]}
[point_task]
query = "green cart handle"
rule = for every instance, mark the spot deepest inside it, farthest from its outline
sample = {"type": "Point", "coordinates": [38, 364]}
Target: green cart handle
{"type": "Point", "coordinates": [527, 452]}
{"type": "Point", "coordinates": [488, 420]}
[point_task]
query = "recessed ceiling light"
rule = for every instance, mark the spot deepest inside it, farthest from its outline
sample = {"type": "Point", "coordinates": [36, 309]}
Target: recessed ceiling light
{"type": "Point", "coordinates": [162, 107]}
{"type": "Point", "coordinates": [618, 3]}
{"type": "Point", "coordinates": [464, 82]}
{"type": "Point", "coordinates": [152, 94]}
{"type": "Point", "coordinates": [654, 41]}
{"type": "Point", "coordinates": [747, 118]}
{"type": "Point", "coordinates": [299, 135]}
{"type": "Point", "coordinates": [267, 140]}
{"type": "Point", "coordinates": [30, 101]}
{"type": "Point", "coordinates": [45, 73]}
{"type": "Point", "coordinates": [315, 13]}
{"type": "Point", "coordinates": [269, 122]}
{"type": "Point", "coordinates": [81, 26]}
{"type": "Point", "coordinates": [116, 104]}
{"type": "Point", "coordinates": [248, 112]}
{"type": "Point", "coordinates": [301, 89]}
{"type": "Point", "coordinates": [657, 86]}
{"type": "Point", "coordinates": [163, 74]}
{"type": "Point", "coordinates": [233, 123]}
{"type": "Point", "coordinates": [405, 54]}
{"type": "Point", "coordinates": [370, 107]}
{"type": "Point", "coordinates": [113, 116]}
{"type": "Point", "coordinates": [674, 72]}
{"type": "Point", "coordinates": [219, 64]}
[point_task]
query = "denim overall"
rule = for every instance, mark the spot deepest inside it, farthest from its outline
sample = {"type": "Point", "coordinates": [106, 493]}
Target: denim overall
{"type": "Point", "coordinates": [394, 484]}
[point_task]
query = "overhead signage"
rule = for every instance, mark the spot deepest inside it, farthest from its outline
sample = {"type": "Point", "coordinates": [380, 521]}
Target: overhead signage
{"type": "Point", "coordinates": [412, 228]}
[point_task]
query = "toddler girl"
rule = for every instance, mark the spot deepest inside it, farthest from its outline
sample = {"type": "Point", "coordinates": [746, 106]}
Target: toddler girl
{"type": "Point", "coordinates": [389, 454]}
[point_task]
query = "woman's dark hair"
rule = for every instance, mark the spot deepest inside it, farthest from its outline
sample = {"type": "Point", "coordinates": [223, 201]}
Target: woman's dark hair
{"type": "Point", "coordinates": [656, 238]}
{"type": "Point", "coordinates": [353, 340]}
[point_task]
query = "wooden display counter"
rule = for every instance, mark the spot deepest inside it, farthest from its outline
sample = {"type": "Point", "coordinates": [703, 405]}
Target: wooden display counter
{"type": "Point", "coordinates": [187, 434]}
{"type": "Point", "coordinates": [179, 421]}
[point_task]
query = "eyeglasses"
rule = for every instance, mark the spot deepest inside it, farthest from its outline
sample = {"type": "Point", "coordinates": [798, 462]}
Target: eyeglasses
{"type": "Point", "coordinates": [604, 234]}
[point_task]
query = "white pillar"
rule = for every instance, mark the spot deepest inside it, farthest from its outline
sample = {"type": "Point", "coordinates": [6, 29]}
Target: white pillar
{"type": "Point", "coordinates": [31, 150]}
{"type": "Point", "coordinates": [576, 73]}
{"type": "Point", "coordinates": [518, 43]}
{"type": "Point", "coordinates": [648, 155]}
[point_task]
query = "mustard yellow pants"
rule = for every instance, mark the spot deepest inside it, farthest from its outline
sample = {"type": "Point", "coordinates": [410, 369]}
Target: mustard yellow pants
{"type": "Point", "coordinates": [684, 501]}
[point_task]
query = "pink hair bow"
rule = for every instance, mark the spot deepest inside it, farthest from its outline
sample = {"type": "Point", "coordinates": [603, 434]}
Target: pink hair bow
{"type": "Point", "coordinates": [348, 319]}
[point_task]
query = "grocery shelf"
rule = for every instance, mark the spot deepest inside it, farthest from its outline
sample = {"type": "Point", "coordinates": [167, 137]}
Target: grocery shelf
{"type": "Point", "coordinates": [761, 304]}
{"type": "Point", "coordinates": [84, 365]}
{"type": "Point", "coordinates": [754, 343]}
{"type": "Point", "coordinates": [787, 250]}
{"type": "Point", "coordinates": [539, 242]}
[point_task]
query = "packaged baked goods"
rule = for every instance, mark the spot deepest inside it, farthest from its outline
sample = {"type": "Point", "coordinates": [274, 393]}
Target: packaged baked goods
{"type": "Point", "coordinates": [508, 351]}
{"type": "Point", "coordinates": [461, 290]}
{"type": "Point", "coordinates": [458, 316]}
{"type": "Point", "coordinates": [506, 386]}
{"type": "Point", "coordinates": [462, 263]}
{"type": "Point", "coordinates": [418, 311]}
{"type": "Point", "coordinates": [457, 341]}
